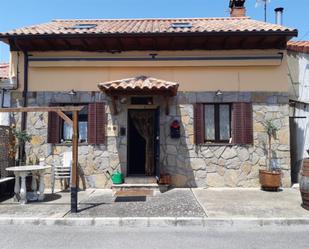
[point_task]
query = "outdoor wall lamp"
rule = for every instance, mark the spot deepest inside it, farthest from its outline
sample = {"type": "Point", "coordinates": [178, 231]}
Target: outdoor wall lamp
{"type": "Point", "coordinates": [123, 100]}
{"type": "Point", "coordinates": [219, 93]}
{"type": "Point", "coordinates": [72, 92]}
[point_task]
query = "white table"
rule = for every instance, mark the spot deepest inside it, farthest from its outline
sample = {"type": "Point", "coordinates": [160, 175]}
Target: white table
{"type": "Point", "coordinates": [20, 189]}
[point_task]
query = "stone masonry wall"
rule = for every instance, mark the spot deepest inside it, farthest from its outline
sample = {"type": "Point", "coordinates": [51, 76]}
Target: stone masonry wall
{"type": "Point", "coordinates": [5, 160]}
{"type": "Point", "coordinates": [189, 165]}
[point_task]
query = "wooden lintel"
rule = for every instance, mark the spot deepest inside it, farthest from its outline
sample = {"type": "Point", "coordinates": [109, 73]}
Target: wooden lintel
{"type": "Point", "coordinates": [167, 105]}
{"type": "Point", "coordinates": [43, 109]}
{"type": "Point", "coordinates": [65, 118]}
{"type": "Point", "coordinates": [115, 111]}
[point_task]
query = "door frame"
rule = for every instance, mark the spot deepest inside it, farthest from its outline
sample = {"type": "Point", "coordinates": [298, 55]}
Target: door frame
{"type": "Point", "coordinates": [138, 107]}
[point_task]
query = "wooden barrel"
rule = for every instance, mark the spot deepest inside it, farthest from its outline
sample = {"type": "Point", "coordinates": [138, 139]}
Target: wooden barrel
{"type": "Point", "coordinates": [304, 183]}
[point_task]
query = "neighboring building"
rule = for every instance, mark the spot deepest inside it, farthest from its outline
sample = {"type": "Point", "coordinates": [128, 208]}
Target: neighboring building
{"type": "Point", "coordinates": [298, 64]}
{"type": "Point", "coordinates": [218, 78]}
{"type": "Point", "coordinates": [4, 71]}
{"type": "Point", "coordinates": [4, 95]}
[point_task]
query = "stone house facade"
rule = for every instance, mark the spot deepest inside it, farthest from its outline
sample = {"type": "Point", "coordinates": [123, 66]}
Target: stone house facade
{"type": "Point", "coordinates": [178, 96]}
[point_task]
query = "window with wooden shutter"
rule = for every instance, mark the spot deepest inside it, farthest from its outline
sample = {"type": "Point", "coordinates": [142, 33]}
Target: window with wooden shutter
{"type": "Point", "coordinates": [54, 122]}
{"type": "Point", "coordinates": [242, 123]}
{"type": "Point", "coordinates": [217, 122]}
{"type": "Point", "coordinates": [199, 123]}
{"type": "Point", "coordinates": [96, 123]}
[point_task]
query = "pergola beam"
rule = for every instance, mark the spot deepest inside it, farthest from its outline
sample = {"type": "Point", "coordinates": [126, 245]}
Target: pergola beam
{"type": "Point", "coordinates": [65, 118]}
{"type": "Point", "coordinates": [43, 109]}
{"type": "Point", "coordinates": [74, 124]}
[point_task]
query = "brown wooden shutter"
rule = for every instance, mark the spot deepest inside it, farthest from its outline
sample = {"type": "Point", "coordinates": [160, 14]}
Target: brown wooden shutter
{"type": "Point", "coordinates": [53, 133]}
{"type": "Point", "coordinates": [242, 123]}
{"type": "Point", "coordinates": [96, 123]}
{"type": "Point", "coordinates": [199, 123]}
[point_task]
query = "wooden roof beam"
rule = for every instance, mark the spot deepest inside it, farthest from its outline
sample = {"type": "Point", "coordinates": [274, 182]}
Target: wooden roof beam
{"type": "Point", "coordinates": [43, 109]}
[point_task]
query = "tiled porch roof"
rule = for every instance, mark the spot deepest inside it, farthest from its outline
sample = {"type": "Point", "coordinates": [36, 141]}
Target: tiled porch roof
{"type": "Point", "coordinates": [299, 46]}
{"type": "Point", "coordinates": [139, 85]}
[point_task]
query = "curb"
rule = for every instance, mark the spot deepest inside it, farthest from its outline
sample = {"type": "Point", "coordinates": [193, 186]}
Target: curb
{"type": "Point", "coordinates": [208, 223]}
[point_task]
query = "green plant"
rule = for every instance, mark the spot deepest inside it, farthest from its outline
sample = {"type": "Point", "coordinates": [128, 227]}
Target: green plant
{"type": "Point", "coordinates": [271, 130]}
{"type": "Point", "coordinates": [22, 137]}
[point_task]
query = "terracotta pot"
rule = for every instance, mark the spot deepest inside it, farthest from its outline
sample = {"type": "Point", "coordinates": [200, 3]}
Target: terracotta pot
{"type": "Point", "coordinates": [270, 179]}
{"type": "Point", "coordinates": [165, 179]}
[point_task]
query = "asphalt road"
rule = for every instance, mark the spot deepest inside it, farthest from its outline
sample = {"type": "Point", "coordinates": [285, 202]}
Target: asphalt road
{"type": "Point", "coordinates": [42, 237]}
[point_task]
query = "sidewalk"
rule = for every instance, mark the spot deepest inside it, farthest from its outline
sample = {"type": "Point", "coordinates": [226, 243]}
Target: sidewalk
{"type": "Point", "coordinates": [202, 207]}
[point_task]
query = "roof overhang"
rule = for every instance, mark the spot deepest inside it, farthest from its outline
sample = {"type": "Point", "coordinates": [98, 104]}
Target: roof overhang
{"type": "Point", "coordinates": [151, 41]}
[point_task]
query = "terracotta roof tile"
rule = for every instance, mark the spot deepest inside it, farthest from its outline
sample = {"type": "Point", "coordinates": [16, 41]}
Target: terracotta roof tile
{"type": "Point", "coordinates": [144, 26]}
{"type": "Point", "coordinates": [140, 84]}
{"type": "Point", "coordinates": [299, 46]}
{"type": "Point", "coordinates": [4, 70]}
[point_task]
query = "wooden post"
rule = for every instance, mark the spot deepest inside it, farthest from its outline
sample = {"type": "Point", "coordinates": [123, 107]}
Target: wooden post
{"type": "Point", "coordinates": [74, 163]}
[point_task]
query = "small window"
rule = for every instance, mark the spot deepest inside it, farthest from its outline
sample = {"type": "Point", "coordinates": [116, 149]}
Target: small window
{"type": "Point", "coordinates": [84, 26]}
{"type": "Point", "coordinates": [217, 123]}
{"type": "Point", "coordinates": [181, 25]}
{"type": "Point", "coordinates": [141, 100]}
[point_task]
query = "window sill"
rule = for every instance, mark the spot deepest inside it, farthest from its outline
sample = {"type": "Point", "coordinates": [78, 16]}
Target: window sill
{"type": "Point", "coordinates": [70, 144]}
{"type": "Point", "coordinates": [224, 144]}
{"type": "Point", "coordinates": [217, 144]}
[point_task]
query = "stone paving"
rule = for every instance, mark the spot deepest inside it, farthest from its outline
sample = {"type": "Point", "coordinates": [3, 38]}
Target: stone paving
{"type": "Point", "coordinates": [101, 203]}
{"type": "Point", "coordinates": [222, 203]}
{"type": "Point", "coordinates": [173, 203]}
{"type": "Point", "coordinates": [251, 203]}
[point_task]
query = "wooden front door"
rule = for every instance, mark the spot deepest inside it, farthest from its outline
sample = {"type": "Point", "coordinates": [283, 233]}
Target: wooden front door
{"type": "Point", "coordinates": [142, 142]}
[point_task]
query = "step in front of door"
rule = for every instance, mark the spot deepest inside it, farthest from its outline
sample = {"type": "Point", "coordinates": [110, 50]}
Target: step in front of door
{"type": "Point", "coordinates": [139, 187]}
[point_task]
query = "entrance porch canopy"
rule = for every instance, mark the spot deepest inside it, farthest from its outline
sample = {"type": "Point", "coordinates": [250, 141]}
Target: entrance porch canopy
{"type": "Point", "coordinates": [141, 85]}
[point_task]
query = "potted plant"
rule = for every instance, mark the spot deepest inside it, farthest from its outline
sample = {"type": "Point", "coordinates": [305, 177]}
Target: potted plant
{"type": "Point", "coordinates": [22, 137]}
{"type": "Point", "coordinates": [270, 179]}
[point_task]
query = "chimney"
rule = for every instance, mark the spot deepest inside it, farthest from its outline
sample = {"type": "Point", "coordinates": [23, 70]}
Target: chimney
{"type": "Point", "coordinates": [279, 15]}
{"type": "Point", "coordinates": [237, 8]}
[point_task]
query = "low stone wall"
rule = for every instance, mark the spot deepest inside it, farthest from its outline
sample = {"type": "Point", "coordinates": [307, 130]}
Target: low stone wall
{"type": "Point", "coordinates": [189, 165]}
{"type": "Point", "coordinates": [5, 161]}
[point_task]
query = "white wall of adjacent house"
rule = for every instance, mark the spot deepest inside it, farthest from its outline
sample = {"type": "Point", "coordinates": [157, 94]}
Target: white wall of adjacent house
{"type": "Point", "coordinates": [298, 64]}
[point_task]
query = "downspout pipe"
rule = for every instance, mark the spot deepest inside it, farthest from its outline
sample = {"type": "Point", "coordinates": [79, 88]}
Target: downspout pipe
{"type": "Point", "coordinates": [2, 97]}
{"type": "Point", "coordinates": [25, 104]}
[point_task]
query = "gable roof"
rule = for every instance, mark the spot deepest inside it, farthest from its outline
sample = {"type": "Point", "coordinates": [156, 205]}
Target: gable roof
{"type": "Point", "coordinates": [148, 26]}
{"type": "Point", "coordinates": [298, 46]}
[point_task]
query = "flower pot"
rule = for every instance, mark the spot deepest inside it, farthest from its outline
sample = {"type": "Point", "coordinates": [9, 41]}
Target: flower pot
{"type": "Point", "coordinates": [165, 179]}
{"type": "Point", "coordinates": [270, 180]}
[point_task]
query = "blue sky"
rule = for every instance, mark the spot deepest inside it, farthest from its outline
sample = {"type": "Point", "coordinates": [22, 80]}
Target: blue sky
{"type": "Point", "coordinates": [19, 13]}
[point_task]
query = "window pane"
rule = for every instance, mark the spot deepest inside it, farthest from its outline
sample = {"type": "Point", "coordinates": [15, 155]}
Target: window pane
{"type": "Point", "coordinates": [209, 116]}
{"type": "Point", "coordinates": [224, 122]}
{"type": "Point", "coordinates": [82, 125]}
{"type": "Point", "coordinates": [67, 131]}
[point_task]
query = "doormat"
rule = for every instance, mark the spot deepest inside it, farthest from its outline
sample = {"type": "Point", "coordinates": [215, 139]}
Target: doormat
{"type": "Point", "coordinates": [130, 199]}
{"type": "Point", "coordinates": [128, 193]}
